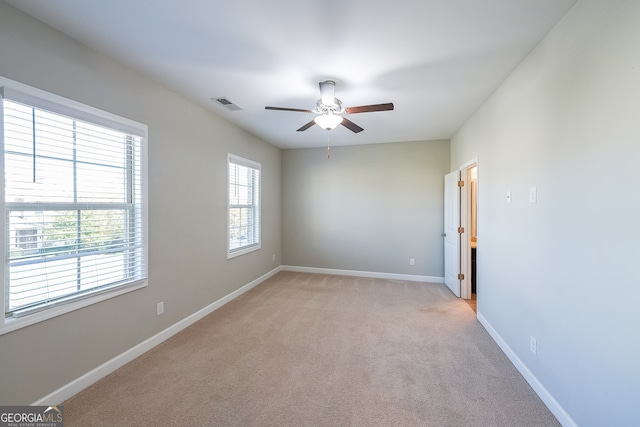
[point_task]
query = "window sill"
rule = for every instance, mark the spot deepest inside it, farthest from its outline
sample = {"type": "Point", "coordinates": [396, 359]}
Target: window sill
{"type": "Point", "coordinates": [13, 324]}
{"type": "Point", "coordinates": [243, 251]}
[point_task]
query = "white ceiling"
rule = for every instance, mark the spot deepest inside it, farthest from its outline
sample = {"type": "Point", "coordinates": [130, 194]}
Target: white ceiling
{"type": "Point", "coordinates": [436, 60]}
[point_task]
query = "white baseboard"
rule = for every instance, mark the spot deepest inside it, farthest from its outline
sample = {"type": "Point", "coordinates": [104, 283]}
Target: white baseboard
{"type": "Point", "coordinates": [553, 405]}
{"type": "Point", "coordinates": [79, 384]}
{"type": "Point", "coordinates": [378, 275]}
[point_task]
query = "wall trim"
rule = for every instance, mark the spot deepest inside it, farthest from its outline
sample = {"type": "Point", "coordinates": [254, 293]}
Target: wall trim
{"type": "Point", "coordinates": [374, 274]}
{"type": "Point", "coordinates": [556, 409]}
{"type": "Point", "coordinates": [74, 387]}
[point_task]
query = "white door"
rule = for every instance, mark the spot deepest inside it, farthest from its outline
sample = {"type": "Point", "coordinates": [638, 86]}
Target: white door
{"type": "Point", "coordinates": [451, 236]}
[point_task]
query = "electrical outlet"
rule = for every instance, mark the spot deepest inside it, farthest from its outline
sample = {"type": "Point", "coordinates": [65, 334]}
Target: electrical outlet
{"type": "Point", "coordinates": [533, 194]}
{"type": "Point", "coordinates": [160, 308]}
{"type": "Point", "coordinates": [533, 345]}
{"type": "Point", "coordinates": [412, 261]}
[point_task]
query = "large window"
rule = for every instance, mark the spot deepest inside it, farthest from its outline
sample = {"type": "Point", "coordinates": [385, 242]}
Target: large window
{"type": "Point", "coordinates": [244, 206]}
{"type": "Point", "coordinates": [75, 226]}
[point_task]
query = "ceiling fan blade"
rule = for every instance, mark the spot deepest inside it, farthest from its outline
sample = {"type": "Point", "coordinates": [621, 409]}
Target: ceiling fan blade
{"type": "Point", "coordinates": [299, 110]}
{"type": "Point", "coordinates": [369, 108]}
{"type": "Point", "coordinates": [328, 92]}
{"type": "Point", "coordinates": [351, 126]}
{"type": "Point", "coordinates": [307, 126]}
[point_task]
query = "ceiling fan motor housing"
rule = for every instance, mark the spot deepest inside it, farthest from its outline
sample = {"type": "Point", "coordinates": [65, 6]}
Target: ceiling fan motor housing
{"type": "Point", "coordinates": [334, 108]}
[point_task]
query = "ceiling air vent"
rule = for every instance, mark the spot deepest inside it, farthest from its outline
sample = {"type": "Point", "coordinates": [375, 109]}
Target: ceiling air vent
{"type": "Point", "coordinates": [224, 102]}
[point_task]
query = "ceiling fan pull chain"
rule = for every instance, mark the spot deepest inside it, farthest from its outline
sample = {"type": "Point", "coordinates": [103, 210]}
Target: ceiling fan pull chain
{"type": "Point", "coordinates": [328, 147]}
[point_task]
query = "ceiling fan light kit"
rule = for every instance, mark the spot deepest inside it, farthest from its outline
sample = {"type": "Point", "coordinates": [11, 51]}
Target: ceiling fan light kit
{"type": "Point", "coordinates": [328, 108]}
{"type": "Point", "coordinates": [328, 121]}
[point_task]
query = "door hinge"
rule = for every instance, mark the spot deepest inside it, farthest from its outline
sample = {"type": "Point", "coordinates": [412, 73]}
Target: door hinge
{"type": "Point", "coordinates": [460, 183]}
{"type": "Point", "coordinates": [460, 276]}
{"type": "Point", "coordinates": [460, 230]}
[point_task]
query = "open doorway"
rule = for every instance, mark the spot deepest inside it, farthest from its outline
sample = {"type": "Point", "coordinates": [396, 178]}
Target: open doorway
{"type": "Point", "coordinates": [469, 223]}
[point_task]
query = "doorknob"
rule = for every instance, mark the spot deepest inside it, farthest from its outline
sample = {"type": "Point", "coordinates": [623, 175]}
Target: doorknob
{"type": "Point", "coordinates": [444, 234]}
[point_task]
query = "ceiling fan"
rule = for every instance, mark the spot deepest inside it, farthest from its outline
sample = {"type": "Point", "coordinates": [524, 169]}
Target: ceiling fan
{"type": "Point", "coordinates": [329, 108]}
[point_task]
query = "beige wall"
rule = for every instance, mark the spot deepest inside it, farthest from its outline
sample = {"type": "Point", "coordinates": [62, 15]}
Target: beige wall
{"type": "Point", "coordinates": [563, 270]}
{"type": "Point", "coordinates": [188, 268]}
{"type": "Point", "coordinates": [367, 208]}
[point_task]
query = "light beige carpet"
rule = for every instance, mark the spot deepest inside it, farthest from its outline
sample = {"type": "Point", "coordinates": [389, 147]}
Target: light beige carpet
{"type": "Point", "coordinates": [320, 350]}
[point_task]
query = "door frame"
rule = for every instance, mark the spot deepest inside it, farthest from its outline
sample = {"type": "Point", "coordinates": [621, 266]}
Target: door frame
{"type": "Point", "coordinates": [465, 223]}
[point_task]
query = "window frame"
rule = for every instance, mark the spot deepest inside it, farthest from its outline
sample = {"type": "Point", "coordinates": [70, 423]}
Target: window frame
{"type": "Point", "coordinates": [256, 207]}
{"type": "Point", "coordinates": [40, 99]}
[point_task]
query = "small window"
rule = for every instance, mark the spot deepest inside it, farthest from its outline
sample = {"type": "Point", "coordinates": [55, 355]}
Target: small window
{"type": "Point", "coordinates": [73, 198]}
{"type": "Point", "coordinates": [243, 206]}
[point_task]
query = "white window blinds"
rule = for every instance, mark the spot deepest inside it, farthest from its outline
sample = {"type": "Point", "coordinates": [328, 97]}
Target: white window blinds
{"type": "Point", "coordinates": [73, 203]}
{"type": "Point", "coordinates": [244, 206]}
